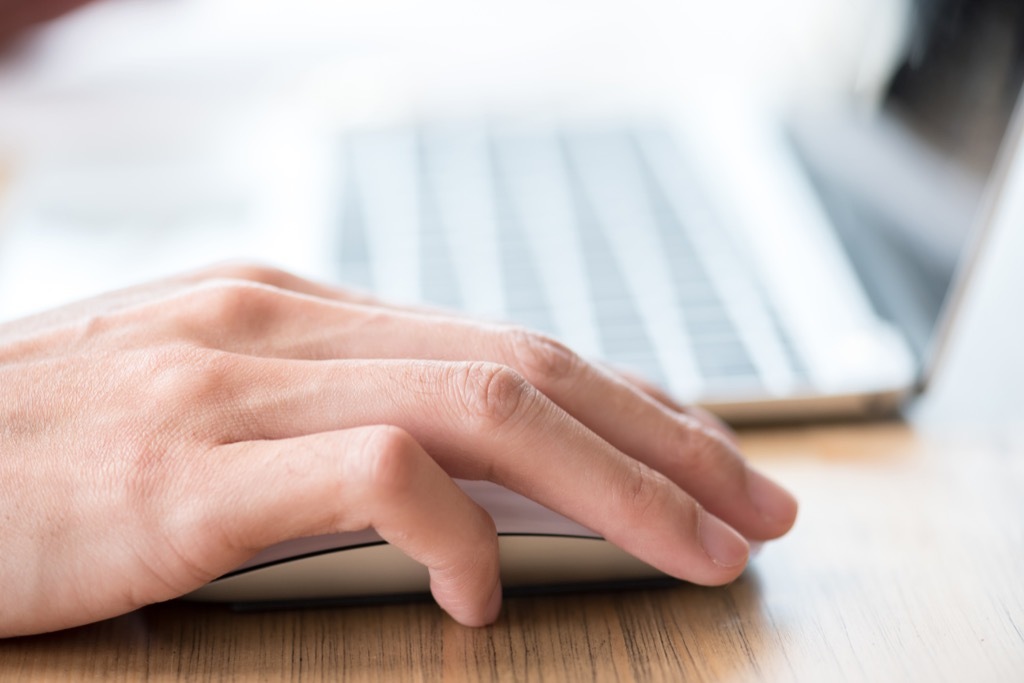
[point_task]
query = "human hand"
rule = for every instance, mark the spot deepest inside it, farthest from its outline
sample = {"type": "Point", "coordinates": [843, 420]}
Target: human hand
{"type": "Point", "coordinates": [155, 438]}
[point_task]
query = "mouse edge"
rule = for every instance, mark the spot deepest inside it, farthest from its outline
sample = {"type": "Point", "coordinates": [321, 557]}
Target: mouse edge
{"type": "Point", "coordinates": [381, 570]}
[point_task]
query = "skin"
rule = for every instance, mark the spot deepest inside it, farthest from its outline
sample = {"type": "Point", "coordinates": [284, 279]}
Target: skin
{"type": "Point", "coordinates": [155, 438]}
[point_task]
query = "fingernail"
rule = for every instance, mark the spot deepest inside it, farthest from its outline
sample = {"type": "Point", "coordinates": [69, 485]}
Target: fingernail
{"type": "Point", "coordinates": [721, 542]}
{"type": "Point", "coordinates": [774, 503]}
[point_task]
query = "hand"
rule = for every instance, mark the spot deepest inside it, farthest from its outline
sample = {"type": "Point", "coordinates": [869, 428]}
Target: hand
{"type": "Point", "coordinates": [154, 439]}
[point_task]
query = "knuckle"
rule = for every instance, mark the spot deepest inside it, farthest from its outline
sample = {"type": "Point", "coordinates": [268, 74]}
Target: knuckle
{"type": "Point", "coordinates": [490, 393]}
{"type": "Point", "coordinates": [486, 531]}
{"type": "Point", "coordinates": [149, 462]}
{"type": "Point", "coordinates": [247, 272]}
{"type": "Point", "coordinates": [232, 304]}
{"type": "Point", "coordinates": [704, 453]}
{"type": "Point", "coordinates": [645, 490]}
{"type": "Point", "coordinates": [195, 391]}
{"type": "Point", "coordinates": [388, 460]}
{"type": "Point", "coordinates": [191, 374]}
{"type": "Point", "coordinates": [541, 358]}
{"type": "Point", "coordinates": [154, 470]}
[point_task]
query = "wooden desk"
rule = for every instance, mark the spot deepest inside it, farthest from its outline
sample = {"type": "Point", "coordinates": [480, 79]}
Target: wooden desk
{"type": "Point", "coordinates": [906, 564]}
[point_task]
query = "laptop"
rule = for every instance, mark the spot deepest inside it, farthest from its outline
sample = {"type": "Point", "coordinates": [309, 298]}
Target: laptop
{"type": "Point", "coordinates": [769, 268]}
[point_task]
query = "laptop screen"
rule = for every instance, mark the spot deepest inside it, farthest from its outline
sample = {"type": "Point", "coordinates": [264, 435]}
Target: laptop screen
{"type": "Point", "coordinates": [905, 187]}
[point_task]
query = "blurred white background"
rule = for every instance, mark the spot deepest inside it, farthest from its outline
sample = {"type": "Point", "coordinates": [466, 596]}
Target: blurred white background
{"type": "Point", "coordinates": [140, 137]}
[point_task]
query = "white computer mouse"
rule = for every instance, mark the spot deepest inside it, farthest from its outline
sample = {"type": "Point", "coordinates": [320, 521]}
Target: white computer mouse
{"type": "Point", "coordinates": [539, 550]}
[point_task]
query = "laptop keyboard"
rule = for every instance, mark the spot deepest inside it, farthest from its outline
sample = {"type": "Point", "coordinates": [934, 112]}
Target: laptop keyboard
{"type": "Point", "coordinates": [596, 236]}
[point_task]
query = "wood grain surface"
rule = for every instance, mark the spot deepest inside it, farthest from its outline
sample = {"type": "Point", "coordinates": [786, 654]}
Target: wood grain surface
{"type": "Point", "coordinates": [906, 564]}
